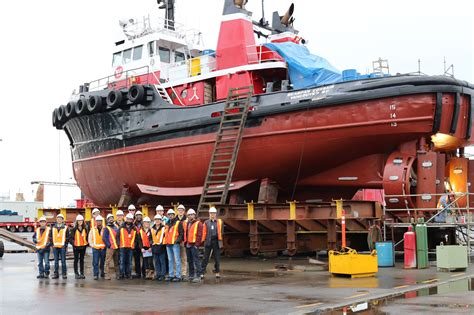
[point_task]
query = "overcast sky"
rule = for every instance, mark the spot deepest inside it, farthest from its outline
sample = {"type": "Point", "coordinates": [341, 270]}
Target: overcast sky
{"type": "Point", "coordinates": [50, 47]}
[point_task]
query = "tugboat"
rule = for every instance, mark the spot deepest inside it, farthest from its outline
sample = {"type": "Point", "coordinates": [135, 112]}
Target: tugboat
{"type": "Point", "coordinates": [149, 129]}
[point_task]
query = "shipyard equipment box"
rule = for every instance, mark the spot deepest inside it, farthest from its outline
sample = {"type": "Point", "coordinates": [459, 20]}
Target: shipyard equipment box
{"type": "Point", "coordinates": [451, 257]}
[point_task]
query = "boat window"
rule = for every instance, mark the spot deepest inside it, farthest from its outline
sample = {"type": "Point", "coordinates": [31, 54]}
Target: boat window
{"type": "Point", "coordinates": [164, 54]}
{"type": "Point", "coordinates": [127, 55]}
{"type": "Point", "coordinates": [151, 49]}
{"type": "Point", "coordinates": [117, 59]}
{"type": "Point", "coordinates": [137, 52]}
{"type": "Point", "coordinates": [178, 56]}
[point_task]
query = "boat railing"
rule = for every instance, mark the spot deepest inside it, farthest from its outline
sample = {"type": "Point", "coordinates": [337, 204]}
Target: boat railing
{"type": "Point", "coordinates": [464, 212]}
{"type": "Point", "coordinates": [259, 54]}
{"type": "Point", "coordinates": [125, 80]}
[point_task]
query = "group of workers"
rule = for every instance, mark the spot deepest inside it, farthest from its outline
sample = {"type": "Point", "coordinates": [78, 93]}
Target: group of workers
{"type": "Point", "coordinates": [165, 250]}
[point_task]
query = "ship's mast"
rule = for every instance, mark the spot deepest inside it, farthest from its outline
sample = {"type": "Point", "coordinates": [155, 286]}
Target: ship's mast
{"type": "Point", "coordinates": [168, 5]}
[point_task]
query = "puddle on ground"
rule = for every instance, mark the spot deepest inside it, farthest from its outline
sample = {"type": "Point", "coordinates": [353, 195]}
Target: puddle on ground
{"type": "Point", "coordinates": [373, 307]}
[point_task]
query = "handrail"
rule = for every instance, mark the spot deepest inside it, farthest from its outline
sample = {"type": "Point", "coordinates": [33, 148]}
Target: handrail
{"type": "Point", "coordinates": [93, 87]}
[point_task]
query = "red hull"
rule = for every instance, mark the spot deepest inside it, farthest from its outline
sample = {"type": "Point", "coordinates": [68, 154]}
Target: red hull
{"type": "Point", "coordinates": [321, 139]}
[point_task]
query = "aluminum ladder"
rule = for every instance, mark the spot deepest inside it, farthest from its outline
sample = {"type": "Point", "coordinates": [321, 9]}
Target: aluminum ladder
{"type": "Point", "coordinates": [226, 148]}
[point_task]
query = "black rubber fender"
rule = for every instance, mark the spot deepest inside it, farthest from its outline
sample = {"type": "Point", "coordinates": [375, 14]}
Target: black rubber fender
{"type": "Point", "coordinates": [2, 249]}
{"type": "Point", "coordinates": [114, 99]}
{"type": "Point", "coordinates": [136, 94]}
{"type": "Point", "coordinates": [81, 106]}
{"type": "Point", "coordinates": [61, 114]}
{"type": "Point", "coordinates": [55, 118]}
{"type": "Point", "coordinates": [95, 104]}
{"type": "Point", "coordinates": [70, 110]}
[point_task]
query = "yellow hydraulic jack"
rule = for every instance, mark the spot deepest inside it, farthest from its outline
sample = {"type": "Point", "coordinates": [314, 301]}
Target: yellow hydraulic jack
{"type": "Point", "coordinates": [347, 261]}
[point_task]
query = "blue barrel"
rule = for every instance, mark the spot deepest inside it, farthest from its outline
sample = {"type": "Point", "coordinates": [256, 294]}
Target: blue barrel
{"type": "Point", "coordinates": [208, 52]}
{"type": "Point", "coordinates": [349, 74]}
{"type": "Point", "coordinates": [385, 254]}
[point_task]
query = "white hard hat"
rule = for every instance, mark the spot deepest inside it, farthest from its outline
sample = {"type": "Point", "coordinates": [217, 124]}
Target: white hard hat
{"type": "Point", "coordinates": [60, 216]}
{"type": "Point", "coordinates": [95, 210]}
{"type": "Point", "coordinates": [160, 208]}
{"type": "Point", "coordinates": [131, 207]}
{"type": "Point", "coordinates": [157, 216]}
{"type": "Point", "coordinates": [191, 211]}
{"type": "Point", "coordinates": [146, 219]}
{"type": "Point", "coordinates": [129, 216]}
{"type": "Point", "coordinates": [79, 218]}
{"type": "Point", "coordinates": [99, 218]}
{"type": "Point", "coordinates": [181, 207]}
{"type": "Point", "coordinates": [212, 210]}
{"type": "Point", "coordinates": [170, 211]}
{"type": "Point", "coordinates": [138, 213]}
{"type": "Point", "coordinates": [109, 215]}
{"type": "Point", "coordinates": [42, 219]}
{"type": "Point", "coordinates": [119, 212]}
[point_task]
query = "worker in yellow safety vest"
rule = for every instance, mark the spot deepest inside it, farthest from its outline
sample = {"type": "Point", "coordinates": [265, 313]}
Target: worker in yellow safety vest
{"type": "Point", "coordinates": [60, 237]}
{"type": "Point", "coordinates": [42, 239]}
{"type": "Point", "coordinates": [98, 248]}
{"type": "Point", "coordinates": [212, 239]}
{"type": "Point", "coordinates": [110, 239]}
{"type": "Point", "coordinates": [126, 238]}
{"type": "Point", "coordinates": [78, 240]}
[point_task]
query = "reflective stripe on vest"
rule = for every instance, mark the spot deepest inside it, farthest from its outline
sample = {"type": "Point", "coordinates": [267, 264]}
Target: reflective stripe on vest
{"type": "Point", "coordinates": [192, 233]}
{"type": "Point", "coordinates": [80, 238]}
{"type": "Point", "coordinates": [172, 233]}
{"type": "Point", "coordinates": [127, 240]}
{"type": "Point", "coordinates": [112, 237]}
{"type": "Point", "coordinates": [157, 236]}
{"type": "Point", "coordinates": [42, 238]}
{"type": "Point", "coordinates": [219, 231]}
{"type": "Point", "coordinates": [59, 237]}
{"type": "Point", "coordinates": [97, 241]}
{"type": "Point", "coordinates": [145, 239]}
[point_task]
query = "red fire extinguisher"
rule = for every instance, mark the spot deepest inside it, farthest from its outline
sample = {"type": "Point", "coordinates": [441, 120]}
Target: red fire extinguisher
{"type": "Point", "coordinates": [409, 240]}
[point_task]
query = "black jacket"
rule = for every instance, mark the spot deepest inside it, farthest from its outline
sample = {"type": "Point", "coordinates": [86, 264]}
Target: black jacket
{"type": "Point", "coordinates": [72, 233]}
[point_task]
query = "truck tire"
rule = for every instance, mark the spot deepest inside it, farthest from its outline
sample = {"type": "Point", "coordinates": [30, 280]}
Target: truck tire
{"type": "Point", "coordinates": [21, 229]}
{"type": "Point", "coordinates": [29, 228]}
{"type": "Point", "coordinates": [2, 249]}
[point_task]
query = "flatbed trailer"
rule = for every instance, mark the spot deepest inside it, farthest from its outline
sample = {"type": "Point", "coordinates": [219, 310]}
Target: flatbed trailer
{"type": "Point", "coordinates": [24, 226]}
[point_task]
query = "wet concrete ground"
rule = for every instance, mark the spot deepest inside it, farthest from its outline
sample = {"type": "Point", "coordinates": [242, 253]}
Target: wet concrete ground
{"type": "Point", "coordinates": [247, 286]}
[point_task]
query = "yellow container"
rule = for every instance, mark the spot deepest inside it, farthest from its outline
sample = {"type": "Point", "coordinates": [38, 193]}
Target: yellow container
{"type": "Point", "coordinates": [349, 262]}
{"type": "Point", "coordinates": [195, 66]}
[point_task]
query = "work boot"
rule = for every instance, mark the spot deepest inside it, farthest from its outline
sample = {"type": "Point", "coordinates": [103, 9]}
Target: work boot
{"type": "Point", "coordinates": [167, 279]}
{"type": "Point", "coordinates": [82, 276]}
{"type": "Point", "coordinates": [40, 276]}
{"type": "Point", "coordinates": [102, 275]}
{"type": "Point", "coordinates": [218, 275]}
{"type": "Point", "coordinates": [107, 277]}
{"type": "Point", "coordinates": [55, 276]}
{"type": "Point", "coordinates": [46, 274]}
{"type": "Point", "coordinates": [78, 276]}
{"type": "Point", "coordinates": [196, 280]}
{"type": "Point", "coordinates": [65, 276]}
{"type": "Point", "coordinates": [176, 279]}
{"type": "Point", "coordinates": [96, 277]}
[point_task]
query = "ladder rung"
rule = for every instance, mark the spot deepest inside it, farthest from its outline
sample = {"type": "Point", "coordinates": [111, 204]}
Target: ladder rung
{"type": "Point", "coordinates": [224, 154]}
{"type": "Point", "coordinates": [215, 182]}
{"type": "Point", "coordinates": [218, 175]}
{"type": "Point", "coordinates": [234, 127]}
{"type": "Point", "coordinates": [225, 147]}
{"type": "Point", "coordinates": [227, 140]}
{"type": "Point", "coordinates": [231, 120]}
{"type": "Point", "coordinates": [219, 168]}
{"type": "Point", "coordinates": [236, 107]}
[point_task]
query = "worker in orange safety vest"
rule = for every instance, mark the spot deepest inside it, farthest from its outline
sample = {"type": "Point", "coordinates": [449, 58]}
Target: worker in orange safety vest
{"type": "Point", "coordinates": [212, 239]}
{"type": "Point", "coordinates": [126, 236]}
{"type": "Point", "coordinates": [60, 237]}
{"type": "Point", "coordinates": [42, 240]}
{"type": "Point", "coordinates": [78, 240]}
{"type": "Point", "coordinates": [98, 248]}
{"type": "Point", "coordinates": [193, 241]}
{"type": "Point", "coordinates": [110, 240]}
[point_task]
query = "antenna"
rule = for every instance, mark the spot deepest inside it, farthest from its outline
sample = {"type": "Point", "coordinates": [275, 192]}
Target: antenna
{"type": "Point", "coordinates": [262, 21]}
{"type": "Point", "coordinates": [419, 66]}
{"type": "Point", "coordinates": [448, 71]}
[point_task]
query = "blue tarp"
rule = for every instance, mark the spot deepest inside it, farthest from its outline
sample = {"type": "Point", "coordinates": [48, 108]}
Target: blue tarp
{"type": "Point", "coordinates": [305, 69]}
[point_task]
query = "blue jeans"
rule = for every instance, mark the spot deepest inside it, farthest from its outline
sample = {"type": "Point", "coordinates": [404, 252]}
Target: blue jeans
{"type": "Point", "coordinates": [60, 253]}
{"type": "Point", "coordinates": [43, 261]}
{"type": "Point", "coordinates": [98, 261]}
{"type": "Point", "coordinates": [160, 264]}
{"type": "Point", "coordinates": [125, 259]}
{"type": "Point", "coordinates": [174, 260]}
